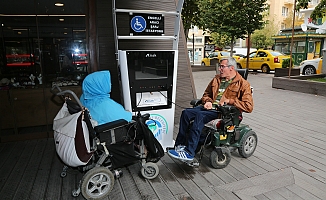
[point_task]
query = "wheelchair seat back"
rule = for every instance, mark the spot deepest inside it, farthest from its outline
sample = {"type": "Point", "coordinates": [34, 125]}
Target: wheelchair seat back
{"type": "Point", "coordinates": [243, 73]}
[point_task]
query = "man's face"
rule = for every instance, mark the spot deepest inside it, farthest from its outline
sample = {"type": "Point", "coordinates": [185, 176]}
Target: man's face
{"type": "Point", "coordinates": [224, 69]}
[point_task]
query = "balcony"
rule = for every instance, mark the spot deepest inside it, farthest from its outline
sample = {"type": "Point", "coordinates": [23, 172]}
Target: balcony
{"type": "Point", "coordinates": [288, 2]}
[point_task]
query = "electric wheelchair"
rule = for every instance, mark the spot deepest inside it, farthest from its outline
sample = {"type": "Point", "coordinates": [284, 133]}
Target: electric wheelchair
{"type": "Point", "coordinates": [225, 135]}
{"type": "Point", "coordinates": [100, 151]}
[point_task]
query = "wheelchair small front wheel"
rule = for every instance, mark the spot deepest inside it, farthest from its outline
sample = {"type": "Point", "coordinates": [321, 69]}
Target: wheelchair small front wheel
{"type": "Point", "coordinates": [220, 159]}
{"type": "Point", "coordinates": [149, 170]}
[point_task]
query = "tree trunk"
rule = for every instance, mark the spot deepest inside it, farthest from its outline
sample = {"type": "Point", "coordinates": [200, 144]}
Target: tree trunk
{"type": "Point", "coordinates": [186, 32]}
{"type": "Point", "coordinates": [231, 45]}
{"type": "Point", "coordinates": [248, 50]}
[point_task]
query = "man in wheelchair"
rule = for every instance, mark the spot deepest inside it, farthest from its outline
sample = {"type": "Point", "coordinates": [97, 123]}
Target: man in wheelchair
{"type": "Point", "coordinates": [228, 87]}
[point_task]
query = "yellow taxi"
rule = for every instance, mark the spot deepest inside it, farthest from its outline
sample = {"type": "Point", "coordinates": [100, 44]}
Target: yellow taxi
{"type": "Point", "coordinates": [214, 57]}
{"type": "Point", "coordinates": [265, 60]}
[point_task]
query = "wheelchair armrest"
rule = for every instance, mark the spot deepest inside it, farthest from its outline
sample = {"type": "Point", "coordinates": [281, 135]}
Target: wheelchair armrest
{"type": "Point", "coordinates": [142, 118]}
{"type": "Point", "coordinates": [230, 112]}
{"type": "Point", "coordinates": [110, 125]}
{"type": "Point", "coordinates": [195, 102]}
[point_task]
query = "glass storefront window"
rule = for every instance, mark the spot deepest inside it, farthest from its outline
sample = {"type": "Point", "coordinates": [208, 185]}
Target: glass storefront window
{"type": "Point", "coordinates": [301, 47]}
{"type": "Point", "coordinates": [40, 45]}
{"type": "Point", "coordinates": [282, 47]}
{"type": "Point", "coordinates": [50, 44]}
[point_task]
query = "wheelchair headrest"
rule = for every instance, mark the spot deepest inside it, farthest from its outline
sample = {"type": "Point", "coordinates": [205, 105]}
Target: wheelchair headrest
{"type": "Point", "coordinates": [243, 73]}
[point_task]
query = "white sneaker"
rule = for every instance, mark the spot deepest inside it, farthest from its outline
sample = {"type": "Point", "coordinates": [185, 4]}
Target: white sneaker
{"type": "Point", "coordinates": [180, 148]}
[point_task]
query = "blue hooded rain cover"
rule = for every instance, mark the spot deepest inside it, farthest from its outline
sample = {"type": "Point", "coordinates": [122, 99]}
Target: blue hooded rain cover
{"type": "Point", "coordinates": [96, 97]}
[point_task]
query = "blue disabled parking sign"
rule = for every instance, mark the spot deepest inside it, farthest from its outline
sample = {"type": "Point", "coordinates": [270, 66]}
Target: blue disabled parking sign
{"type": "Point", "coordinates": [146, 24]}
{"type": "Point", "coordinates": [138, 24]}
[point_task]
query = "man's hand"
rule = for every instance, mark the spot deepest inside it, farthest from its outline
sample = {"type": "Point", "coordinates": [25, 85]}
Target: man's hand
{"type": "Point", "coordinates": [208, 105]}
{"type": "Point", "coordinates": [226, 101]}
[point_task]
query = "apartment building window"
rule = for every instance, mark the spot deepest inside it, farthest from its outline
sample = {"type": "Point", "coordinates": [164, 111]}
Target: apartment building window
{"type": "Point", "coordinates": [283, 26]}
{"type": "Point", "coordinates": [299, 15]}
{"type": "Point", "coordinates": [314, 2]}
{"type": "Point", "coordinates": [238, 42]}
{"type": "Point", "coordinates": [198, 40]}
{"type": "Point", "coordinates": [285, 11]}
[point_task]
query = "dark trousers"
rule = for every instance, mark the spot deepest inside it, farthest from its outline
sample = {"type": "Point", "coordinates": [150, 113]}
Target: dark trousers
{"type": "Point", "coordinates": [200, 117]}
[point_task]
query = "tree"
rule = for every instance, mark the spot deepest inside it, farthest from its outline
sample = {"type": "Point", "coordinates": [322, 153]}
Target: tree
{"type": "Point", "coordinates": [220, 40]}
{"type": "Point", "coordinates": [190, 15]}
{"type": "Point", "coordinates": [234, 18]}
{"type": "Point", "coordinates": [320, 9]}
{"type": "Point", "coordinates": [263, 38]}
{"type": "Point", "coordinates": [253, 14]}
{"type": "Point", "coordinates": [218, 18]}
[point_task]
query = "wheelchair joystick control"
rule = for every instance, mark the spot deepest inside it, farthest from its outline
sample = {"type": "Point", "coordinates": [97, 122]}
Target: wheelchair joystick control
{"type": "Point", "coordinates": [230, 129]}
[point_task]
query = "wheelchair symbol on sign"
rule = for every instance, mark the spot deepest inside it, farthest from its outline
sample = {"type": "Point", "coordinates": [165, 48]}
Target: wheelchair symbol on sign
{"type": "Point", "coordinates": [138, 24]}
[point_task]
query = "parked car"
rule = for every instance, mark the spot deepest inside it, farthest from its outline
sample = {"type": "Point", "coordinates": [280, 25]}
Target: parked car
{"type": "Point", "coordinates": [308, 67]}
{"type": "Point", "coordinates": [266, 60]}
{"type": "Point", "coordinates": [214, 57]}
{"type": "Point", "coordinates": [240, 55]}
{"type": "Point", "coordinates": [242, 51]}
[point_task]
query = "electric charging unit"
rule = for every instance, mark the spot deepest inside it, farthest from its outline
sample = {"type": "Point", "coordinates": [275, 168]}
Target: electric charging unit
{"type": "Point", "coordinates": [149, 85]}
{"type": "Point", "coordinates": [149, 77]}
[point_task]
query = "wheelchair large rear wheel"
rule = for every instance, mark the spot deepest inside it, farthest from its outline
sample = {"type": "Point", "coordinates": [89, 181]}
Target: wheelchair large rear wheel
{"type": "Point", "coordinates": [97, 183]}
{"type": "Point", "coordinates": [248, 144]}
{"type": "Point", "coordinates": [219, 162]}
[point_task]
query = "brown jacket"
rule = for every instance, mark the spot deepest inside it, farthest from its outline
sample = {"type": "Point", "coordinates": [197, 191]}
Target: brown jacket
{"type": "Point", "coordinates": [239, 93]}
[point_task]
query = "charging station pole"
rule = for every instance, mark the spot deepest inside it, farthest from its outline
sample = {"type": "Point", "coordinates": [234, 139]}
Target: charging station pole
{"type": "Point", "coordinates": [149, 77]}
{"type": "Point", "coordinates": [149, 86]}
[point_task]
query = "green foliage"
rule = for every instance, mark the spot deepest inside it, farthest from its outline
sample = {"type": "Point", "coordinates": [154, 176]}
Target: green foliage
{"type": "Point", "coordinates": [302, 4]}
{"type": "Point", "coordinates": [319, 11]}
{"type": "Point", "coordinates": [190, 15]}
{"type": "Point", "coordinates": [220, 40]}
{"type": "Point", "coordinates": [286, 63]}
{"type": "Point", "coordinates": [317, 79]}
{"type": "Point", "coordinates": [234, 18]}
{"type": "Point", "coordinates": [263, 38]}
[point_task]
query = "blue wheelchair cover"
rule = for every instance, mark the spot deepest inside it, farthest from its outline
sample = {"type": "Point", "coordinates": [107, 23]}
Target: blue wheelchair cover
{"type": "Point", "coordinates": [96, 89]}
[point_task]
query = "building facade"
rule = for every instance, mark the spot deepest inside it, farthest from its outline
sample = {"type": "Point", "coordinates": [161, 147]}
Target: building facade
{"type": "Point", "coordinates": [44, 43]}
{"type": "Point", "coordinates": [281, 12]}
{"type": "Point", "coordinates": [308, 37]}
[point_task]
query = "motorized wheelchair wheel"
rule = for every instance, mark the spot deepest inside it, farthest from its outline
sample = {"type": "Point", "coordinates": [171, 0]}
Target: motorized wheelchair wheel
{"type": "Point", "coordinates": [97, 183]}
{"type": "Point", "coordinates": [149, 170]}
{"type": "Point", "coordinates": [248, 144]}
{"type": "Point", "coordinates": [220, 158]}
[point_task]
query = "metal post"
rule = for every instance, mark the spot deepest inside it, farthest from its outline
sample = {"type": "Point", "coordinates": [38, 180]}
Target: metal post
{"type": "Point", "coordinates": [295, 3]}
{"type": "Point", "coordinates": [193, 48]}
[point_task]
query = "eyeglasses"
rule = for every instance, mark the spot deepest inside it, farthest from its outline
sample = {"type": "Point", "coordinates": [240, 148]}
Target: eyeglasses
{"type": "Point", "coordinates": [223, 66]}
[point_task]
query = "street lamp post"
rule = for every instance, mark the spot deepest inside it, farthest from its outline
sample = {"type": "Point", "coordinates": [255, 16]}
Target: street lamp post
{"type": "Point", "coordinates": [193, 48]}
{"type": "Point", "coordinates": [295, 3]}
